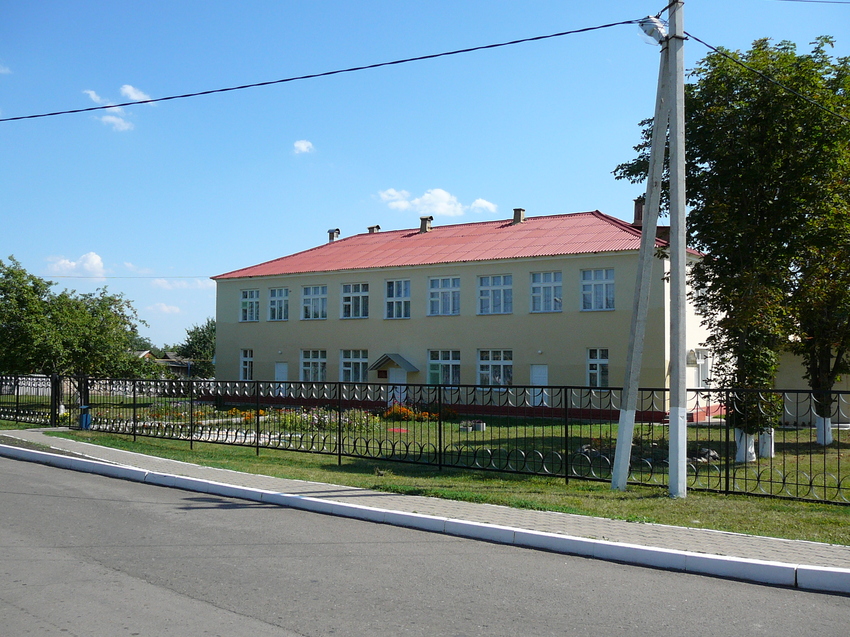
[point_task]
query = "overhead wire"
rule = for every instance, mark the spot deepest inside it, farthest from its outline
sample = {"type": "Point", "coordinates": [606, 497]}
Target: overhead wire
{"type": "Point", "coordinates": [323, 74]}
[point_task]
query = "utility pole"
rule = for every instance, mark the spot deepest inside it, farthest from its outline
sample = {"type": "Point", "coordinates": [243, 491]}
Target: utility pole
{"type": "Point", "coordinates": [669, 111]}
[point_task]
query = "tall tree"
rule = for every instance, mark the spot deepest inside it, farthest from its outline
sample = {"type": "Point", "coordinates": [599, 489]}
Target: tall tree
{"type": "Point", "coordinates": [768, 173]}
{"type": "Point", "coordinates": [23, 318]}
{"type": "Point", "coordinates": [199, 346]}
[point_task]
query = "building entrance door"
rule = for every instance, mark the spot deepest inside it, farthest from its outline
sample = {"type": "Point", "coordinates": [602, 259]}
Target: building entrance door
{"type": "Point", "coordinates": [539, 378]}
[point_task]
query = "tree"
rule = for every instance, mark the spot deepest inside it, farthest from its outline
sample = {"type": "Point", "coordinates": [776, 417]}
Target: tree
{"type": "Point", "coordinates": [768, 176]}
{"type": "Point", "coordinates": [199, 347]}
{"type": "Point", "coordinates": [64, 333]}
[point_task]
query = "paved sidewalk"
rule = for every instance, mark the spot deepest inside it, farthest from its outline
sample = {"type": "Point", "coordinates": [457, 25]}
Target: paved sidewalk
{"type": "Point", "coordinates": [808, 565]}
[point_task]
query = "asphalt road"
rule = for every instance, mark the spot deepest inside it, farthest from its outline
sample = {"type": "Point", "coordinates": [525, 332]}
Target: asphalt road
{"type": "Point", "coordinates": [87, 555]}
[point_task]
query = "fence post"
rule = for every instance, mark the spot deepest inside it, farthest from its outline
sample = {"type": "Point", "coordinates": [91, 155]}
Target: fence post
{"type": "Point", "coordinates": [191, 414]}
{"type": "Point", "coordinates": [339, 424]}
{"type": "Point", "coordinates": [726, 399]}
{"type": "Point", "coordinates": [257, 416]}
{"type": "Point", "coordinates": [55, 399]}
{"type": "Point", "coordinates": [135, 409]}
{"type": "Point", "coordinates": [17, 398]}
{"type": "Point", "coordinates": [440, 427]}
{"type": "Point", "coordinates": [566, 436]}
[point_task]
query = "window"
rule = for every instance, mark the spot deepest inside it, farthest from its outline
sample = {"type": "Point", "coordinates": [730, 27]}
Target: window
{"type": "Point", "coordinates": [597, 367]}
{"type": "Point", "coordinates": [398, 299]}
{"type": "Point", "coordinates": [355, 300]}
{"type": "Point", "coordinates": [250, 308]}
{"type": "Point", "coordinates": [495, 367]}
{"type": "Point", "coordinates": [444, 296]}
{"type": "Point", "coordinates": [354, 365]}
{"type": "Point", "coordinates": [546, 292]}
{"type": "Point", "coordinates": [495, 294]}
{"type": "Point", "coordinates": [314, 301]}
{"type": "Point", "coordinates": [279, 304]}
{"type": "Point", "coordinates": [444, 367]}
{"type": "Point", "coordinates": [314, 365]}
{"type": "Point", "coordinates": [246, 364]}
{"type": "Point", "coordinates": [597, 289]}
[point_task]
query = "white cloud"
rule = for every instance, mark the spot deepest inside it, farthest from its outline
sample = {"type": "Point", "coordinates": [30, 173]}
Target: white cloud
{"type": "Point", "coordinates": [4, 70]}
{"type": "Point", "coordinates": [183, 284]}
{"type": "Point", "coordinates": [131, 92]}
{"type": "Point", "coordinates": [163, 308]}
{"type": "Point", "coordinates": [436, 202]}
{"type": "Point", "coordinates": [97, 99]}
{"type": "Point", "coordinates": [483, 205]}
{"type": "Point", "coordinates": [88, 265]}
{"type": "Point", "coordinates": [137, 269]}
{"type": "Point", "coordinates": [303, 146]}
{"type": "Point", "coordinates": [117, 123]}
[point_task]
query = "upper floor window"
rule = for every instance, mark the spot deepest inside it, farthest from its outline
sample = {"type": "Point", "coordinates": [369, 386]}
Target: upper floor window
{"type": "Point", "coordinates": [354, 365]}
{"type": "Point", "coordinates": [495, 367]}
{"type": "Point", "coordinates": [314, 302]}
{"type": "Point", "coordinates": [444, 367]}
{"type": "Point", "coordinates": [355, 300]}
{"type": "Point", "coordinates": [597, 367]}
{"type": "Point", "coordinates": [398, 299]}
{"type": "Point", "coordinates": [495, 294]}
{"type": "Point", "coordinates": [246, 364]}
{"type": "Point", "coordinates": [444, 296]}
{"type": "Point", "coordinates": [279, 304]}
{"type": "Point", "coordinates": [250, 307]}
{"type": "Point", "coordinates": [314, 365]}
{"type": "Point", "coordinates": [546, 292]}
{"type": "Point", "coordinates": [597, 289]}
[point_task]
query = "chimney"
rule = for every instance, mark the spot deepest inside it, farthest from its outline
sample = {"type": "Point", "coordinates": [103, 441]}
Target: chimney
{"type": "Point", "coordinates": [425, 224]}
{"type": "Point", "coordinates": [333, 235]}
{"type": "Point", "coordinates": [374, 229]}
{"type": "Point", "coordinates": [639, 202]}
{"type": "Point", "coordinates": [519, 215]}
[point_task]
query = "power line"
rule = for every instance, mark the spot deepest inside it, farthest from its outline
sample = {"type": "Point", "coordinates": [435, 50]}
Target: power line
{"type": "Point", "coordinates": [770, 79]}
{"type": "Point", "coordinates": [324, 74]}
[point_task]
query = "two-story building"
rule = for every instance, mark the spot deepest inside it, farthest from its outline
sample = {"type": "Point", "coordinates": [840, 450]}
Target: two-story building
{"type": "Point", "coordinates": [524, 301]}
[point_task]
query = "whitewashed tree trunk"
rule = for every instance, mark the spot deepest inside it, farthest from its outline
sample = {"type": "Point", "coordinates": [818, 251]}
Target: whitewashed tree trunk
{"type": "Point", "coordinates": [823, 427]}
{"type": "Point", "coordinates": [766, 446]}
{"type": "Point", "coordinates": [745, 446]}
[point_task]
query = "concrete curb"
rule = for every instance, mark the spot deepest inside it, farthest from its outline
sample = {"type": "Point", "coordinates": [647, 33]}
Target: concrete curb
{"type": "Point", "coordinates": [811, 578]}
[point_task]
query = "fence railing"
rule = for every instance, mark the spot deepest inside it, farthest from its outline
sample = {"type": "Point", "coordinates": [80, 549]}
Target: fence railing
{"type": "Point", "coordinates": [565, 432]}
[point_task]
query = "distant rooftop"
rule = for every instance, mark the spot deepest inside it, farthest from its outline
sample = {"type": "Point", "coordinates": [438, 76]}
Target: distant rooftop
{"type": "Point", "coordinates": [554, 235]}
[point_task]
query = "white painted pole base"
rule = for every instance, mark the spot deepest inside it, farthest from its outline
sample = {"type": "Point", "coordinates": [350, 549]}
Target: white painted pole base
{"type": "Point", "coordinates": [745, 446]}
{"type": "Point", "coordinates": [767, 448]}
{"type": "Point", "coordinates": [623, 454]}
{"type": "Point", "coordinates": [678, 460]}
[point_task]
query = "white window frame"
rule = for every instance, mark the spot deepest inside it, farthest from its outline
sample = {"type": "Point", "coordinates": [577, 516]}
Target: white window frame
{"type": "Point", "coordinates": [354, 365]}
{"type": "Point", "coordinates": [444, 296]}
{"type": "Point", "coordinates": [246, 364]}
{"type": "Point", "coordinates": [313, 366]}
{"type": "Point", "coordinates": [314, 302]}
{"type": "Point", "coordinates": [597, 367]}
{"type": "Point", "coordinates": [495, 367]}
{"type": "Point", "coordinates": [278, 304]}
{"type": "Point", "coordinates": [355, 301]}
{"type": "Point", "coordinates": [546, 292]}
{"type": "Point", "coordinates": [597, 290]}
{"type": "Point", "coordinates": [249, 308]}
{"type": "Point", "coordinates": [397, 299]}
{"type": "Point", "coordinates": [495, 294]}
{"type": "Point", "coordinates": [444, 367]}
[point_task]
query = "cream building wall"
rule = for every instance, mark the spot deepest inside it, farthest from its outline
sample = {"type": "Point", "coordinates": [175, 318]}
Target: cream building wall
{"type": "Point", "coordinates": [558, 340]}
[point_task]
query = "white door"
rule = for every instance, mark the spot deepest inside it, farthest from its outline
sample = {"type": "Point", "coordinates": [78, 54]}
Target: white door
{"type": "Point", "coordinates": [398, 381]}
{"type": "Point", "coordinates": [281, 375]}
{"type": "Point", "coordinates": [539, 378]}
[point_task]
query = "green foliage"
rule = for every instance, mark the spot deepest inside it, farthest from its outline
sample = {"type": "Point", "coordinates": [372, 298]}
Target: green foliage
{"type": "Point", "coordinates": [65, 333]}
{"type": "Point", "coordinates": [768, 182]}
{"type": "Point", "coordinates": [199, 347]}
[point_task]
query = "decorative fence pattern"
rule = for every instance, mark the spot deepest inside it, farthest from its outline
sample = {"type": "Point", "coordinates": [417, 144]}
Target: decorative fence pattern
{"type": "Point", "coordinates": [565, 432]}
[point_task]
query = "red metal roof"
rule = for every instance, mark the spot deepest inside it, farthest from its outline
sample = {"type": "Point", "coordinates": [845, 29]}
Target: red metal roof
{"type": "Point", "coordinates": [577, 233]}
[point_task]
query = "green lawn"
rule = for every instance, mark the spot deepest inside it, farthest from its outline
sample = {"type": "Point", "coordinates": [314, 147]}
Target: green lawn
{"type": "Point", "coordinates": [742, 514]}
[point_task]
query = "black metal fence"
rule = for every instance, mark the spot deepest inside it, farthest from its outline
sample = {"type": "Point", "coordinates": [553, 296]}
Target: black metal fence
{"type": "Point", "coordinates": [565, 432]}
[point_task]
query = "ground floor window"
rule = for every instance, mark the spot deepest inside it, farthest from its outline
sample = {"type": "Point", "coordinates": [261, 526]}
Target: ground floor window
{"type": "Point", "coordinates": [495, 367]}
{"type": "Point", "coordinates": [354, 365]}
{"type": "Point", "coordinates": [246, 364]}
{"type": "Point", "coordinates": [444, 367]}
{"type": "Point", "coordinates": [314, 365]}
{"type": "Point", "coordinates": [597, 367]}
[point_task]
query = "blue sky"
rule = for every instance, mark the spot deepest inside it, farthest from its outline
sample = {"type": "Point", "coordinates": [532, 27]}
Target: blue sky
{"type": "Point", "coordinates": [151, 200]}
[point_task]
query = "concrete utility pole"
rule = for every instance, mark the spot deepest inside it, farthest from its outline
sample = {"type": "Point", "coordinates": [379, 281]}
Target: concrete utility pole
{"type": "Point", "coordinates": [669, 109]}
